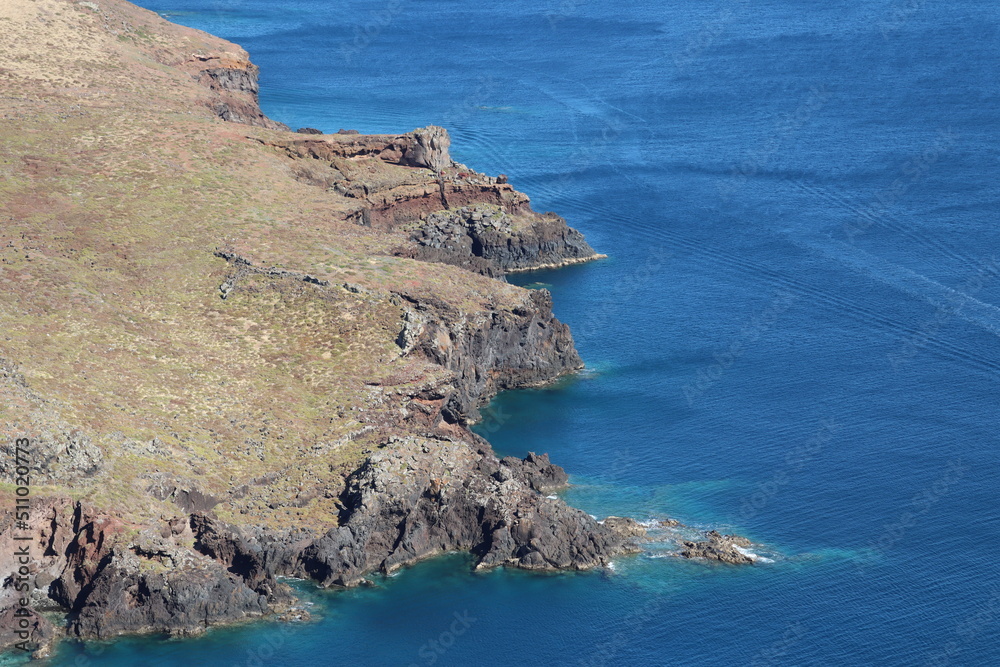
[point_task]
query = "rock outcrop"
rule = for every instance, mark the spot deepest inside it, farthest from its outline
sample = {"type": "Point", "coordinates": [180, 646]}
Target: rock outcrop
{"type": "Point", "coordinates": [429, 149]}
{"type": "Point", "coordinates": [414, 498]}
{"type": "Point", "coordinates": [489, 351]}
{"type": "Point", "coordinates": [625, 526]}
{"type": "Point", "coordinates": [257, 379]}
{"type": "Point", "coordinates": [111, 577]}
{"type": "Point", "coordinates": [452, 214]}
{"type": "Point", "coordinates": [512, 243]}
{"type": "Point", "coordinates": [537, 472]}
{"type": "Point", "coordinates": [423, 148]}
{"type": "Point", "coordinates": [723, 548]}
{"type": "Point", "coordinates": [178, 598]}
{"type": "Point", "coordinates": [234, 81]}
{"type": "Point", "coordinates": [422, 498]}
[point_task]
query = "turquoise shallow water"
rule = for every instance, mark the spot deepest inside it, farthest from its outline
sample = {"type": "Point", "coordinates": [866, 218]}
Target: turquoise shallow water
{"type": "Point", "coordinates": [795, 335]}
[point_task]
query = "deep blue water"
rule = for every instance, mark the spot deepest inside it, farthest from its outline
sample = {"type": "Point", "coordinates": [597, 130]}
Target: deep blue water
{"type": "Point", "coordinates": [796, 335]}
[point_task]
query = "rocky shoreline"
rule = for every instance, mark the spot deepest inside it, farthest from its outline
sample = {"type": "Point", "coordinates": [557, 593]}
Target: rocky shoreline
{"type": "Point", "coordinates": [451, 214]}
{"type": "Point", "coordinates": [365, 470]}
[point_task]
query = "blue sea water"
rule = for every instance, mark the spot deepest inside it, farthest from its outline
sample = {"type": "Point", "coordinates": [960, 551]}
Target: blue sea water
{"type": "Point", "coordinates": [796, 335]}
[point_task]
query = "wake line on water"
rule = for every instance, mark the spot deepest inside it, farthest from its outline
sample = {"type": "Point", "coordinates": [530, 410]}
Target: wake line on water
{"type": "Point", "coordinates": [969, 309]}
{"type": "Point", "coordinates": [984, 316]}
{"type": "Point", "coordinates": [841, 200]}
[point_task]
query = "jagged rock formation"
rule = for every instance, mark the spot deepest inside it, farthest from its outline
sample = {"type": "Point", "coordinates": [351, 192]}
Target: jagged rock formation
{"type": "Point", "coordinates": [488, 232]}
{"type": "Point", "coordinates": [421, 498]}
{"type": "Point", "coordinates": [241, 352]}
{"type": "Point", "coordinates": [624, 526]}
{"type": "Point", "coordinates": [723, 548]}
{"type": "Point", "coordinates": [453, 214]}
{"type": "Point", "coordinates": [234, 80]}
{"type": "Point", "coordinates": [113, 578]}
{"type": "Point", "coordinates": [537, 472]}
{"type": "Point", "coordinates": [489, 351]}
{"type": "Point", "coordinates": [415, 498]}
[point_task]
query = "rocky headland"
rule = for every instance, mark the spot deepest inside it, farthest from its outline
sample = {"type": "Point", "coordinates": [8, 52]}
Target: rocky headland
{"type": "Point", "coordinates": [241, 352]}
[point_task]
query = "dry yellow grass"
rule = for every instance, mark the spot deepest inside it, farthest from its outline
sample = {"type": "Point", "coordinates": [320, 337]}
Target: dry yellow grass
{"type": "Point", "coordinates": [117, 184]}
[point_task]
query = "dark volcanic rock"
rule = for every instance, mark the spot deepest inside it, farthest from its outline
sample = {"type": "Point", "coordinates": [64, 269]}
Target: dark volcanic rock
{"type": "Point", "coordinates": [112, 585]}
{"type": "Point", "coordinates": [26, 629]}
{"type": "Point", "coordinates": [236, 88]}
{"type": "Point", "coordinates": [195, 501]}
{"type": "Point", "coordinates": [488, 232]}
{"type": "Point", "coordinates": [421, 498]}
{"type": "Point", "coordinates": [625, 526]}
{"type": "Point", "coordinates": [719, 547]}
{"type": "Point", "coordinates": [490, 351]}
{"type": "Point", "coordinates": [243, 80]}
{"type": "Point", "coordinates": [185, 598]}
{"type": "Point", "coordinates": [308, 130]}
{"type": "Point", "coordinates": [537, 472]}
{"type": "Point", "coordinates": [454, 257]}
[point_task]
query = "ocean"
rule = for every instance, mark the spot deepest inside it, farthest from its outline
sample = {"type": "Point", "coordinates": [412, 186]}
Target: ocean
{"type": "Point", "coordinates": [796, 334]}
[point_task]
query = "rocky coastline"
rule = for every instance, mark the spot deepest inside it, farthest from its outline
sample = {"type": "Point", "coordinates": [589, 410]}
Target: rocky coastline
{"type": "Point", "coordinates": [411, 328]}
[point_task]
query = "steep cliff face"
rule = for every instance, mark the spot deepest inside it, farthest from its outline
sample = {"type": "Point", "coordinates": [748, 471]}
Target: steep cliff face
{"type": "Point", "coordinates": [489, 351]}
{"type": "Point", "coordinates": [511, 243]}
{"type": "Point", "coordinates": [448, 212]}
{"type": "Point", "coordinates": [414, 498]}
{"type": "Point", "coordinates": [183, 598]}
{"type": "Point", "coordinates": [234, 81]}
{"type": "Point", "coordinates": [240, 352]}
{"type": "Point", "coordinates": [48, 526]}
{"type": "Point", "coordinates": [114, 577]}
{"type": "Point", "coordinates": [423, 497]}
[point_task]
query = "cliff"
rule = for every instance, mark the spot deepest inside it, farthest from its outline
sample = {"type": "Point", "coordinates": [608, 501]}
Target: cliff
{"type": "Point", "coordinates": [448, 212]}
{"type": "Point", "coordinates": [241, 352]}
